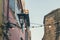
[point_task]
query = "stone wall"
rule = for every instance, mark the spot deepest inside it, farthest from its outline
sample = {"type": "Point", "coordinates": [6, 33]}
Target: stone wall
{"type": "Point", "coordinates": [52, 25]}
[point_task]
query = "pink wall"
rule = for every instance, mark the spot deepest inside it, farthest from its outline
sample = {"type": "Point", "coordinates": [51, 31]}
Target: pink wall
{"type": "Point", "coordinates": [14, 33]}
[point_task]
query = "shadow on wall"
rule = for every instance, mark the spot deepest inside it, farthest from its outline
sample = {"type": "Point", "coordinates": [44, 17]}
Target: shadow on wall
{"type": "Point", "coordinates": [1, 19]}
{"type": "Point", "coordinates": [0, 12]}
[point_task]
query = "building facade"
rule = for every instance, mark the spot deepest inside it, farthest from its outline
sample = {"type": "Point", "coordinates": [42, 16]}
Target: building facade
{"type": "Point", "coordinates": [16, 22]}
{"type": "Point", "coordinates": [52, 25]}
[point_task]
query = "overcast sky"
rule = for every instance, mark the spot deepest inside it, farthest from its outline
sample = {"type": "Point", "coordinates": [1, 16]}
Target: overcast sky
{"type": "Point", "coordinates": [37, 10]}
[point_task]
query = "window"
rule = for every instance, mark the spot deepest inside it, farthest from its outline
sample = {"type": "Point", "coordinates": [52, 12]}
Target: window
{"type": "Point", "coordinates": [12, 4]}
{"type": "Point", "coordinates": [21, 38]}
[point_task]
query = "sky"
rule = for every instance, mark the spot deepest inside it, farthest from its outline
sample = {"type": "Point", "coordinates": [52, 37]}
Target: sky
{"type": "Point", "coordinates": [37, 10]}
